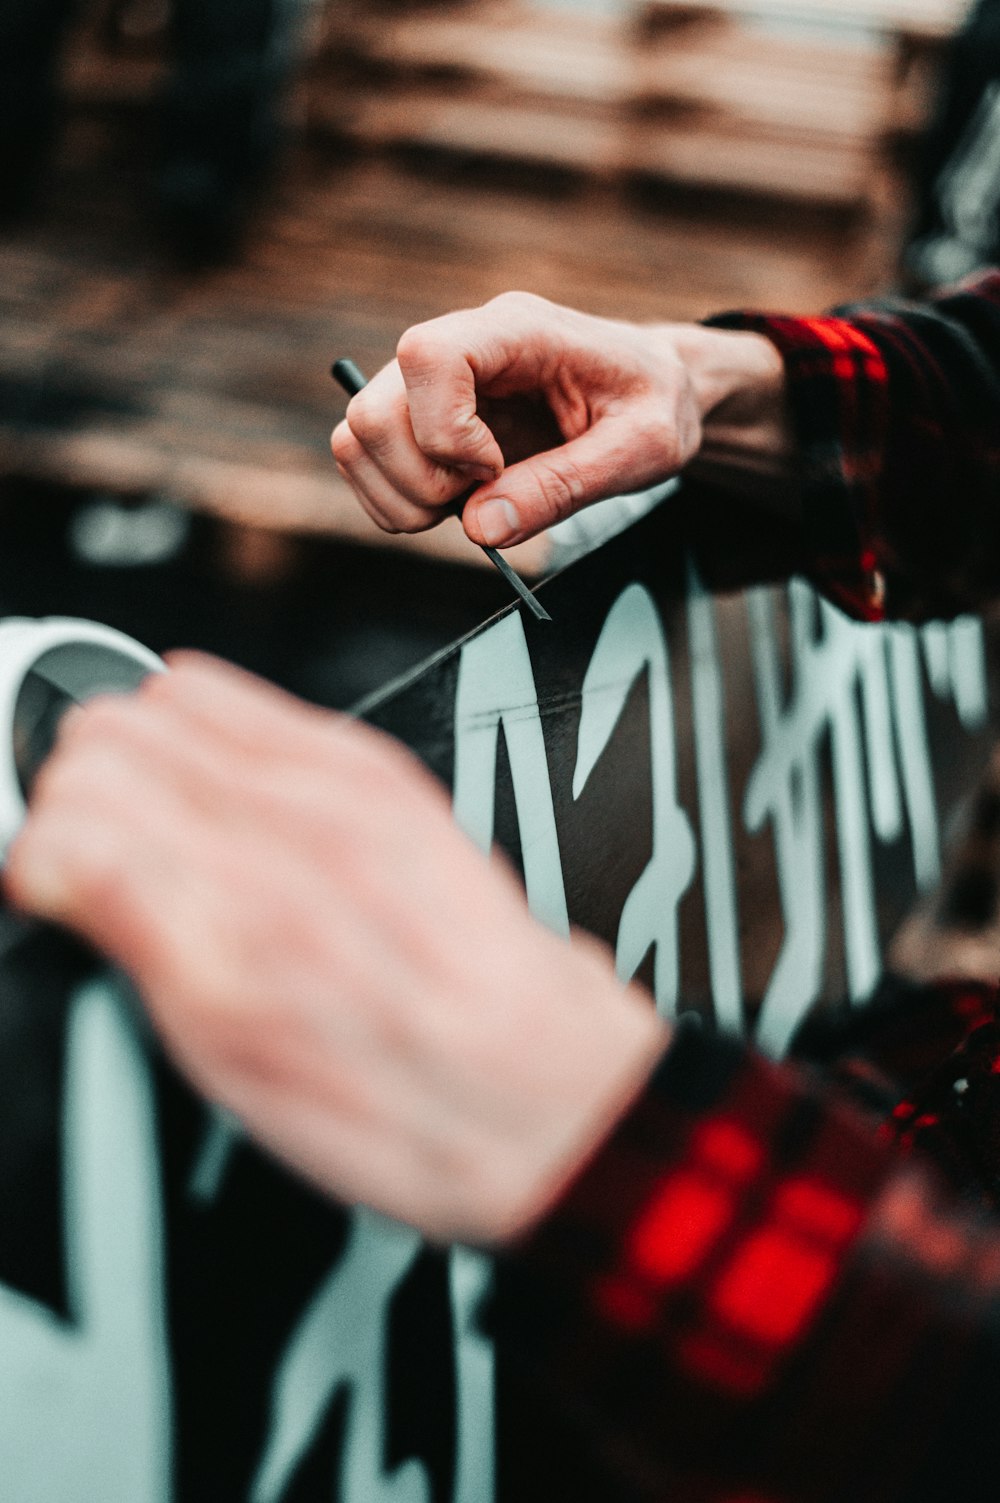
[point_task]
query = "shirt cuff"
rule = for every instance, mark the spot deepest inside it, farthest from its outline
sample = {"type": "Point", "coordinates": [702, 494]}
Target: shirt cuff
{"type": "Point", "coordinates": [686, 1265]}
{"type": "Point", "coordinates": [837, 396]}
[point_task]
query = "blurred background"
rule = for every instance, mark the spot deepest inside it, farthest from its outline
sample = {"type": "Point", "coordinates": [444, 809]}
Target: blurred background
{"type": "Point", "coordinates": [204, 202]}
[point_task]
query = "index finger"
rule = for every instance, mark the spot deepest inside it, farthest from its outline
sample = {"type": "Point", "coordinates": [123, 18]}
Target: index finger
{"type": "Point", "coordinates": [441, 363]}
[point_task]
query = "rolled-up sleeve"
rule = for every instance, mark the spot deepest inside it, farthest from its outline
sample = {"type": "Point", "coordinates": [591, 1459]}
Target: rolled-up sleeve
{"type": "Point", "coordinates": [895, 408]}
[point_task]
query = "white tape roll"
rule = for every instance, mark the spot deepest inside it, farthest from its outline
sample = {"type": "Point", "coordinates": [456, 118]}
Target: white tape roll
{"type": "Point", "coordinates": [43, 665]}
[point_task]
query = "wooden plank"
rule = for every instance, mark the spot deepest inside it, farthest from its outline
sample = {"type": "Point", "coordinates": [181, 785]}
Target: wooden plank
{"type": "Point", "coordinates": [771, 81]}
{"type": "Point", "coordinates": [594, 61]}
{"type": "Point", "coordinates": [704, 151]}
{"type": "Point", "coordinates": [474, 125]}
{"type": "Point", "coordinates": [717, 103]}
{"type": "Point", "coordinates": [588, 95]}
{"type": "Point", "coordinates": [731, 160]}
{"type": "Point", "coordinates": [926, 20]}
{"type": "Point", "coordinates": [549, 54]}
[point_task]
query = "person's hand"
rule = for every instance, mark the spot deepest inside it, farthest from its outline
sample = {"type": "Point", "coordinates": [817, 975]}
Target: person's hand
{"type": "Point", "coordinates": [544, 410]}
{"type": "Point", "coordinates": [324, 953]}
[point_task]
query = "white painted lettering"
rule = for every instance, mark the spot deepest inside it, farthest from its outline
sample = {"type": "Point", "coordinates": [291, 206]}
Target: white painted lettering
{"type": "Point", "coordinates": [632, 639]}
{"type": "Point", "coordinates": [85, 1408]}
{"type": "Point", "coordinates": [496, 687]}
{"type": "Point", "coordinates": [718, 863]}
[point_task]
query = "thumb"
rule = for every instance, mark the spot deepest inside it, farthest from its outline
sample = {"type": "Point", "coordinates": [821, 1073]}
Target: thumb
{"type": "Point", "coordinates": [613, 456]}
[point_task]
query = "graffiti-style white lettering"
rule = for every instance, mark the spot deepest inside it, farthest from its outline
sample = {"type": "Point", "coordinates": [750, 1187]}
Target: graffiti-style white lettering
{"type": "Point", "coordinates": [340, 1342]}
{"type": "Point", "coordinates": [632, 639]}
{"type": "Point", "coordinates": [838, 669]}
{"type": "Point", "coordinates": [718, 864]}
{"type": "Point", "coordinates": [85, 1405]}
{"type": "Point", "coordinates": [470, 1276]}
{"type": "Point", "coordinates": [496, 687]}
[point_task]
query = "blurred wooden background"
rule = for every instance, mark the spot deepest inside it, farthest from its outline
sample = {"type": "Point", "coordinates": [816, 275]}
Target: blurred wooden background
{"type": "Point", "coordinates": [662, 162]}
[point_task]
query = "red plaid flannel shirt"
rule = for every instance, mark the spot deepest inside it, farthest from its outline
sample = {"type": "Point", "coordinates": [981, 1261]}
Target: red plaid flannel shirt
{"type": "Point", "coordinates": [896, 412]}
{"type": "Point", "coordinates": [778, 1283]}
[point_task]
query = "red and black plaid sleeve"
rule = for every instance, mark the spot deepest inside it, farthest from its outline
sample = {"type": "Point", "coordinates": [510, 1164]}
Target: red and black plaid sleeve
{"type": "Point", "coordinates": [754, 1293]}
{"type": "Point", "coordinates": [896, 411]}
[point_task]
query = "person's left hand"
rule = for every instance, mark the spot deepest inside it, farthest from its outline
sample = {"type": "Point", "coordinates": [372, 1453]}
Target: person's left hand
{"type": "Point", "coordinates": [325, 954]}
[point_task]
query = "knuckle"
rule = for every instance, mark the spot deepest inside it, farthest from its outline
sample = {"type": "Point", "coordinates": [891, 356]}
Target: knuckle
{"type": "Point", "coordinates": [379, 757]}
{"type": "Point", "coordinates": [102, 726]}
{"type": "Point", "coordinates": [106, 712]}
{"type": "Point", "coordinates": [672, 437]}
{"type": "Point", "coordinates": [657, 430]}
{"type": "Point", "coordinates": [156, 689]}
{"type": "Point", "coordinates": [343, 445]}
{"type": "Point", "coordinates": [17, 863]}
{"type": "Point", "coordinates": [48, 784]}
{"type": "Point", "coordinates": [672, 450]}
{"type": "Point", "coordinates": [97, 878]}
{"type": "Point", "coordinates": [423, 519]}
{"type": "Point", "coordinates": [98, 774]}
{"type": "Point", "coordinates": [387, 771]}
{"type": "Point", "coordinates": [562, 488]}
{"type": "Point", "coordinates": [418, 346]}
{"type": "Point", "coordinates": [411, 517]}
{"type": "Point", "coordinates": [66, 775]}
{"type": "Point", "coordinates": [84, 723]}
{"type": "Point", "coordinates": [376, 513]}
{"type": "Point", "coordinates": [515, 301]}
{"type": "Point", "coordinates": [367, 416]}
{"type": "Point", "coordinates": [443, 438]}
{"type": "Point", "coordinates": [398, 771]}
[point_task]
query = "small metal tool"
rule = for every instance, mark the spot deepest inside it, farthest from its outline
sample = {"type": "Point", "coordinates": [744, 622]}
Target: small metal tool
{"type": "Point", "coordinates": [348, 376]}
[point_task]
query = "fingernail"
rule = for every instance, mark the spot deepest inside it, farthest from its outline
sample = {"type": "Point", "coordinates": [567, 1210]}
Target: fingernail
{"type": "Point", "coordinates": [498, 520]}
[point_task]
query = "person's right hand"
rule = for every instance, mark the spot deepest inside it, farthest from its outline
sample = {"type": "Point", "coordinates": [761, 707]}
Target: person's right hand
{"type": "Point", "coordinates": [542, 409]}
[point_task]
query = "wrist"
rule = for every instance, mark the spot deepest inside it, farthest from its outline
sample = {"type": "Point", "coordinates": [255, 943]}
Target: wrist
{"type": "Point", "coordinates": [737, 375]}
{"type": "Point", "coordinates": [616, 1044]}
{"type": "Point", "coordinates": [739, 383]}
